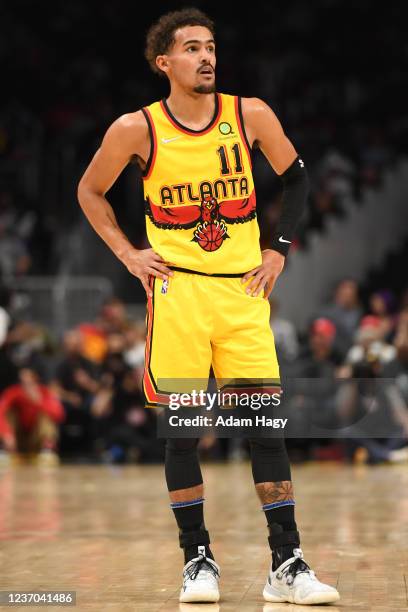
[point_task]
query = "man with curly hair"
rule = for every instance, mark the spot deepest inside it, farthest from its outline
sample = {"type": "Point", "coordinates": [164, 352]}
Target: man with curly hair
{"type": "Point", "coordinates": [206, 279]}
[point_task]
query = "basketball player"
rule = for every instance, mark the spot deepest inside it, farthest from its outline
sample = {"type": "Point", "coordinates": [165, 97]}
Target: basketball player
{"type": "Point", "coordinates": [206, 279]}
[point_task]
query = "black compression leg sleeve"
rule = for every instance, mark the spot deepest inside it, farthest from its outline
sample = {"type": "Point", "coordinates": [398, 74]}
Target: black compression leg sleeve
{"type": "Point", "coordinates": [181, 464]}
{"type": "Point", "coordinates": [183, 471]}
{"type": "Point", "coordinates": [269, 458]}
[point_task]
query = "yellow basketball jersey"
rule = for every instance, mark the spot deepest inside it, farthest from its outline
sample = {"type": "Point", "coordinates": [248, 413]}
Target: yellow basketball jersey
{"type": "Point", "coordinates": [199, 191]}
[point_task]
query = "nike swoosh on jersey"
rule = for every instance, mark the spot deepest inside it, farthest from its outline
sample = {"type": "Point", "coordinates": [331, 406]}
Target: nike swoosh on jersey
{"type": "Point", "coordinates": [166, 140]}
{"type": "Point", "coordinates": [281, 239]}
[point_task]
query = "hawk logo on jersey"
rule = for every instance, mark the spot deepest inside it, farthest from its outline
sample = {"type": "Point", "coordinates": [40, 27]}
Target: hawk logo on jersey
{"type": "Point", "coordinates": [211, 232]}
{"type": "Point", "coordinates": [210, 219]}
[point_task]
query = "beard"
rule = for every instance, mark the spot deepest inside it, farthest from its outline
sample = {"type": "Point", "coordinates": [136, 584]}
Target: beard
{"type": "Point", "coordinates": [205, 89]}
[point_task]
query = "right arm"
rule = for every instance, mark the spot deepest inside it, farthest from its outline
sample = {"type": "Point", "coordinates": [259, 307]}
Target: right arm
{"type": "Point", "coordinates": [126, 137]}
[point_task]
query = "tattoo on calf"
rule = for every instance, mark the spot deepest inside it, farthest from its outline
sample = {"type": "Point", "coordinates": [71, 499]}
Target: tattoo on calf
{"type": "Point", "coordinates": [271, 492]}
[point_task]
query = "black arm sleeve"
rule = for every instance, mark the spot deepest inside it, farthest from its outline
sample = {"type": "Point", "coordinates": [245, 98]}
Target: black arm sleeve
{"type": "Point", "coordinates": [295, 191]}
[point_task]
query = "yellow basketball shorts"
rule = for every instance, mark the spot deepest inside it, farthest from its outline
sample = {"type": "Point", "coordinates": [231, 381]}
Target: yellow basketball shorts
{"type": "Point", "coordinates": [195, 322]}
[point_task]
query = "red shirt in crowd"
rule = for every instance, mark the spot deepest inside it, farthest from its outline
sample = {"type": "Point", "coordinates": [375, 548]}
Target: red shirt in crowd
{"type": "Point", "coordinates": [15, 397]}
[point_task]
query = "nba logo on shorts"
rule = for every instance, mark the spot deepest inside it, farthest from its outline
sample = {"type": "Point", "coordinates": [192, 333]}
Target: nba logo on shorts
{"type": "Point", "coordinates": [165, 286]}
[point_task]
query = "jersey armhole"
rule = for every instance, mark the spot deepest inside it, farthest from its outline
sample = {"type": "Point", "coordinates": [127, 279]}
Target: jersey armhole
{"type": "Point", "coordinates": [241, 126]}
{"type": "Point", "coordinates": [153, 144]}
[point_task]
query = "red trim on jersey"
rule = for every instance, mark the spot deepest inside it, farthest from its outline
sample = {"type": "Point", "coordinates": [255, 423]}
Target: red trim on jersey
{"type": "Point", "coordinates": [241, 127]}
{"type": "Point", "coordinates": [146, 379]}
{"type": "Point", "coordinates": [153, 144]}
{"type": "Point", "coordinates": [153, 397]}
{"type": "Point", "coordinates": [189, 131]}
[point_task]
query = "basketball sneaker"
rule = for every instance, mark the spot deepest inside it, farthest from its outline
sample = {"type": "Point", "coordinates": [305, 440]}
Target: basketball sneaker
{"type": "Point", "coordinates": [200, 579]}
{"type": "Point", "coordinates": [293, 581]}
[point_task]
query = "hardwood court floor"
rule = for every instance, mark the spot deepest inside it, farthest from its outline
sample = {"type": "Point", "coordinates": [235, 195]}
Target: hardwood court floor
{"type": "Point", "coordinates": [108, 534]}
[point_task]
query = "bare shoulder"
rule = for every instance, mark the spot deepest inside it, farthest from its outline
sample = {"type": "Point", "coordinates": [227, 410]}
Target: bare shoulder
{"type": "Point", "coordinates": [128, 129]}
{"type": "Point", "coordinates": [131, 121]}
{"type": "Point", "coordinates": [253, 104]}
{"type": "Point", "coordinates": [259, 119]}
{"type": "Point", "coordinates": [265, 131]}
{"type": "Point", "coordinates": [255, 108]}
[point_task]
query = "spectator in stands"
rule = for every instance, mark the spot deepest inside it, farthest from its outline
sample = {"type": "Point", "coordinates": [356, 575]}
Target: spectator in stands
{"type": "Point", "coordinates": [320, 360]}
{"type": "Point", "coordinates": [345, 312]}
{"type": "Point", "coordinates": [29, 417]}
{"type": "Point", "coordinates": [310, 392]}
{"type": "Point", "coordinates": [113, 369]}
{"type": "Point", "coordinates": [31, 343]}
{"type": "Point", "coordinates": [76, 377]}
{"type": "Point", "coordinates": [113, 317]}
{"type": "Point", "coordinates": [76, 382]}
{"type": "Point", "coordinates": [374, 415]}
{"type": "Point", "coordinates": [93, 342]}
{"type": "Point", "coordinates": [396, 374]}
{"type": "Point", "coordinates": [370, 350]}
{"type": "Point", "coordinates": [135, 342]}
{"type": "Point", "coordinates": [376, 410]}
{"type": "Point", "coordinates": [114, 362]}
{"type": "Point", "coordinates": [382, 305]}
{"type": "Point", "coordinates": [129, 427]}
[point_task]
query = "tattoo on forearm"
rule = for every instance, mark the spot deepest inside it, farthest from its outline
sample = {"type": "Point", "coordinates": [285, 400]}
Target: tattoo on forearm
{"type": "Point", "coordinates": [270, 492]}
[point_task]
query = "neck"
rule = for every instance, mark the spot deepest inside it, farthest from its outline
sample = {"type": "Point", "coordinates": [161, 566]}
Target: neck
{"type": "Point", "coordinates": [192, 109]}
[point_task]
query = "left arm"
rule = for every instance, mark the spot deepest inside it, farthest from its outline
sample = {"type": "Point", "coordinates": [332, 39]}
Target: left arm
{"type": "Point", "coordinates": [263, 127]}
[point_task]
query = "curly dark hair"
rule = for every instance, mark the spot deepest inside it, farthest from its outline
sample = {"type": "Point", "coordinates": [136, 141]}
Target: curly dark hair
{"type": "Point", "coordinates": [160, 36]}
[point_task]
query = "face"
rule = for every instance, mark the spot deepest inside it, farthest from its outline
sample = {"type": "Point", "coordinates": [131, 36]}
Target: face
{"type": "Point", "coordinates": [72, 341]}
{"type": "Point", "coordinates": [378, 306]}
{"type": "Point", "coordinates": [28, 377]}
{"type": "Point", "coordinates": [190, 62]}
{"type": "Point", "coordinates": [114, 311]}
{"type": "Point", "coordinates": [347, 294]}
{"type": "Point", "coordinates": [320, 344]}
{"type": "Point", "coordinates": [116, 343]}
{"type": "Point", "coordinates": [135, 335]}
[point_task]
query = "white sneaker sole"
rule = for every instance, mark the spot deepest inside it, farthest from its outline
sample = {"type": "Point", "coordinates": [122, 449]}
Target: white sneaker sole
{"type": "Point", "coordinates": [320, 597]}
{"type": "Point", "coordinates": [199, 596]}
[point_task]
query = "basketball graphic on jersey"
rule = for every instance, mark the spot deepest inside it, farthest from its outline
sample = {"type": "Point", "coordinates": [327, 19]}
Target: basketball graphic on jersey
{"type": "Point", "coordinates": [211, 232]}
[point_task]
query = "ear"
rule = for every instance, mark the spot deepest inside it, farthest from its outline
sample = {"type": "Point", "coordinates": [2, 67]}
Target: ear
{"type": "Point", "coordinates": [162, 63]}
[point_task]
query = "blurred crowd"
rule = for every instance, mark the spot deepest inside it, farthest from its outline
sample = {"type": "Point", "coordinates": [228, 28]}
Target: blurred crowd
{"type": "Point", "coordinates": [82, 399]}
{"type": "Point", "coordinates": [350, 370]}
